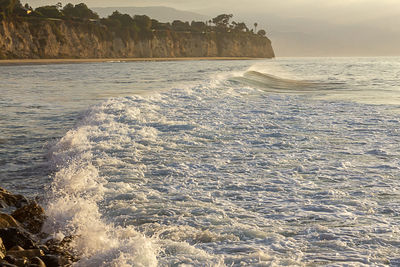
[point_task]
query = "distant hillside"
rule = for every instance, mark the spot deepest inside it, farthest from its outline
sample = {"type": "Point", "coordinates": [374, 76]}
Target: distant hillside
{"type": "Point", "coordinates": [160, 13]}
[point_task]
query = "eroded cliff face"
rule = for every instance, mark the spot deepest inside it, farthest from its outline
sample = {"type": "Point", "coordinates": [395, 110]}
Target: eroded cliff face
{"type": "Point", "coordinates": [62, 39]}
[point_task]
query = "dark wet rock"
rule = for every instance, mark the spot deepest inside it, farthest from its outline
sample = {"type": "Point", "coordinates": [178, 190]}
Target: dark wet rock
{"type": "Point", "coordinates": [56, 245]}
{"type": "Point", "coordinates": [3, 251]}
{"type": "Point", "coordinates": [44, 248]}
{"type": "Point", "coordinates": [28, 253]}
{"type": "Point", "coordinates": [62, 249]}
{"type": "Point", "coordinates": [67, 240]}
{"type": "Point", "coordinates": [16, 248]}
{"type": "Point", "coordinates": [17, 237]}
{"type": "Point", "coordinates": [8, 199]}
{"type": "Point", "coordinates": [20, 232]}
{"type": "Point", "coordinates": [21, 262]}
{"type": "Point", "coordinates": [7, 221]}
{"type": "Point", "coordinates": [37, 262]}
{"type": "Point", "coordinates": [4, 263]}
{"type": "Point", "coordinates": [54, 260]}
{"type": "Point", "coordinates": [10, 259]}
{"type": "Point", "coordinates": [31, 216]}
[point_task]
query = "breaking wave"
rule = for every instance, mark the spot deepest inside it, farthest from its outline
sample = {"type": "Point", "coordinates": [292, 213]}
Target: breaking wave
{"type": "Point", "coordinates": [74, 202]}
{"type": "Point", "coordinates": [232, 171]}
{"type": "Point", "coordinates": [271, 83]}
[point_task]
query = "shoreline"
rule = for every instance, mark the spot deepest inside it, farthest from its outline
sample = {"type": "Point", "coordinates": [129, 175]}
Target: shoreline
{"type": "Point", "coordinates": [112, 60]}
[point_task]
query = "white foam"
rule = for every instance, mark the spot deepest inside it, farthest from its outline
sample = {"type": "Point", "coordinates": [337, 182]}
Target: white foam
{"type": "Point", "coordinates": [76, 191]}
{"type": "Point", "coordinates": [220, 173]}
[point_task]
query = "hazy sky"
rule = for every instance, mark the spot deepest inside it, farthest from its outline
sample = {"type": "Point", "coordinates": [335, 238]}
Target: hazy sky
{"type": "Point", "coordinates": [345, 24]}
{"type": "Point", "coordinates": [318, 8]}
{"type": "Point", "coordinates": [333, 11]}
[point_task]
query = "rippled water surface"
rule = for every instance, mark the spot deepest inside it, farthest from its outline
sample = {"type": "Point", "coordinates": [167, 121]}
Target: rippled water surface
{"type": "Point", "coordinates": [205, 163]}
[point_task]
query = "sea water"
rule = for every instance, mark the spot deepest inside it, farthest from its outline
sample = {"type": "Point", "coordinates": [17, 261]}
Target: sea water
{"type": "Point", "coordinates": [284, 162]}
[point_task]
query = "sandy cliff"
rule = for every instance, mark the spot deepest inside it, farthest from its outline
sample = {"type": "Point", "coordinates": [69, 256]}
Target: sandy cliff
{"type": "Point", "coordinates": [63, 39]}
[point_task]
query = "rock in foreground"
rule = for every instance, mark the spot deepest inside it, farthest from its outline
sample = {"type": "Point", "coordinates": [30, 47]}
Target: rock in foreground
{"type": "Point", "coordinates": [20, 244]}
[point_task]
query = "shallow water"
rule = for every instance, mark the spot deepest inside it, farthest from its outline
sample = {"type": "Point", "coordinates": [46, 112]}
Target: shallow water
{"type": "Point", "coordinates": [276, 162]}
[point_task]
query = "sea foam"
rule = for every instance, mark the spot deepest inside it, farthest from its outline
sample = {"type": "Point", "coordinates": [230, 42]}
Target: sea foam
{"type": "Point", "coordinates": [227, 173]}
{"type": "Point", "coordinates": [73, 203]}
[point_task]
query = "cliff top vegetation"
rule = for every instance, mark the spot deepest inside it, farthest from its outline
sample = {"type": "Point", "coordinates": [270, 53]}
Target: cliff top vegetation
{"type": "Point", "coordinates": [138, 26]}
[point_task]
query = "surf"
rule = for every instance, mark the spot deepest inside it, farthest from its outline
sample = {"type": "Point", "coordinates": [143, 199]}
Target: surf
{"type": "Point", "coordinates": [271, 83]}
{"type": "Point", "coordinates": [208, 170]}
{"type": "Point", "coordinates": [78, 191]}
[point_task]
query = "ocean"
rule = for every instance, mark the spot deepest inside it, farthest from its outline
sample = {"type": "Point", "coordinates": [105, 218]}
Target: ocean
{"type": "Point", "coordinates": [284, 162]}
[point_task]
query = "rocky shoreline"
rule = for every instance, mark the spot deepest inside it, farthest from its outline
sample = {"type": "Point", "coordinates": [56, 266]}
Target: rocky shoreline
{"type": "Point", "coordinates": [22, 242]}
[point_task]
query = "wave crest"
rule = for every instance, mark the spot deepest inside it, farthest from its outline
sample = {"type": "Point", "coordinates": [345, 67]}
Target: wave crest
{"type": "Point", "coordinates": [271, 83]}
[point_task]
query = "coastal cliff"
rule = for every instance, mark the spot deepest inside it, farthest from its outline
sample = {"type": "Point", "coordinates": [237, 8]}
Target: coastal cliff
{"type": "Point", "coordinates": [33, 39]}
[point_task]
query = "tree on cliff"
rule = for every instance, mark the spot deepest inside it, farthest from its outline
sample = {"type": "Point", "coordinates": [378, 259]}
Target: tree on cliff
{"type": "Point", "coordinates": [49, 12]}
{"type": "Point", "coordinates": [222, 21]}
{"type": "Point", "coordinates": [261, 33]}
{"type": "Point", "coordinates": [180, 26]}
{"type": "Point", "coordinates": [125, 26]}
{"type": "Point", "coordinates": [80, 11]}
{"type": "Point", "coordinates": [118, 22]}
{"type": "Point", "coordinates": [143, 22]}
{"type": "Point", "coordinates": [222, 24]}
{"type": "Point", "coordinates": [160, 26]}
{"type": "Point", "coordinates": [198, 26]}
{"type": "Point", "coordinates": [240, 27]}
{"type": "Point", "coordinates": [9, 8]}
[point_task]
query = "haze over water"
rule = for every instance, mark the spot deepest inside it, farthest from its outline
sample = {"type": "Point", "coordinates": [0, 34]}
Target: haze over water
{"type": "Point", "coordinates": [275, 162]}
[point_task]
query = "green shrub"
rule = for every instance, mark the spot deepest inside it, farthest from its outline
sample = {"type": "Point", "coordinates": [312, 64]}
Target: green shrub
{"type": "Point", "coordinates": [80, 11]}
{"type": "Point", "coordinates": [49, 12]}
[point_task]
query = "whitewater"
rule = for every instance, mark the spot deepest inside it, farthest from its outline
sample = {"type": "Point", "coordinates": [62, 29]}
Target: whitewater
{"type": "Point", "coordinates": [285, 162]}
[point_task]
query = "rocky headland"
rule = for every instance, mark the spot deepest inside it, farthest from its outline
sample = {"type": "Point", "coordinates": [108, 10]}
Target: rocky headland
{"type": "Point", "coordinates": [63, 39]}
{"type": "Point", "coordinates": [22, 242]}
{"type": "Point", "coordinates": [51, 32]}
